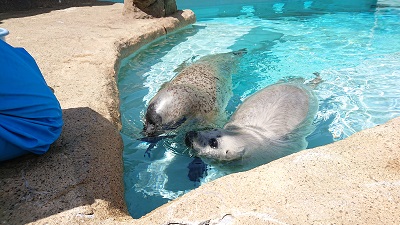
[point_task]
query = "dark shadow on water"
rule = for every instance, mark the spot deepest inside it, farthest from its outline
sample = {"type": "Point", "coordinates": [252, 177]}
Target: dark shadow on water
{"type": "Point", "coordinates": [83, 165]}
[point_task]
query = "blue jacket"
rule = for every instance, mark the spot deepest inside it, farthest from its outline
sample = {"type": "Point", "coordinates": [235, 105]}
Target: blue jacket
{"type": "Point", "coordinates": [30, 114]}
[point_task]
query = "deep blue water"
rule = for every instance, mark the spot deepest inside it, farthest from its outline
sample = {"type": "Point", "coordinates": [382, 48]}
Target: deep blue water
{"type": "Point", "coordinates": [356, 50]}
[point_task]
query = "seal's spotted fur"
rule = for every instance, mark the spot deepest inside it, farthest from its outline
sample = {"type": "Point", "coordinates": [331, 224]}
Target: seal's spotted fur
{"type": "Point", "coordinates": [199, 92]}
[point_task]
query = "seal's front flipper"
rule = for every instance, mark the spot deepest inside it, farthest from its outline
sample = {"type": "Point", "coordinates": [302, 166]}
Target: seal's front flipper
{"type": "Point", "coordinates": [316, 81]}
{"type": "Point", "coordinates": [148, 150]}
{"type": "Point", "coordinates": [153, 142]}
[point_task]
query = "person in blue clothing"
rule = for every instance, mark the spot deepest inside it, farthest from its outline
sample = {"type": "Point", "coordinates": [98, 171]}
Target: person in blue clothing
{"type": "Point", "coordinates": [30, 114]}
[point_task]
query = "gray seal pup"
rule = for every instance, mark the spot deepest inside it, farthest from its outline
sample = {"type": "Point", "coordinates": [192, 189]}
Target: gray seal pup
{"type": "Point", "coordinates": [199, 93]}
{"type": "Point", "coordinates": [270, 124]}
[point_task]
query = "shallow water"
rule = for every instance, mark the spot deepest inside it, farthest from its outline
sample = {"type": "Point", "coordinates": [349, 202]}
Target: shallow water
{"type": "Point", "coordinates": [357, 54]}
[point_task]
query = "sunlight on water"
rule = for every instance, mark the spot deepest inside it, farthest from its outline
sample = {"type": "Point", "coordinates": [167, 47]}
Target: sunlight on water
{"type": "Point", "coordinates": [357, 54]}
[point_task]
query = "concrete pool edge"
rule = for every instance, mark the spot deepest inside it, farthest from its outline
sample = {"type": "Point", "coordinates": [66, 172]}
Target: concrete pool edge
{"type": "Point", "coordinates": [80, 179]}
{"type": "Point", "coordinates": [351, 181]}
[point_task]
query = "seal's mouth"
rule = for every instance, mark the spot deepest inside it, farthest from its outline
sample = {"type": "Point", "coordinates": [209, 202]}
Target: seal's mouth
{"type": "Point", "coordinates": [154, 125]}
{"type": "Point", "coordinates": [151, 130]}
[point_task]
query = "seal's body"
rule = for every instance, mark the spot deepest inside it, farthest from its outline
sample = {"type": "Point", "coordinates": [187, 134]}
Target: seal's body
{"type": "Point", "coordinates": [268, 125]}
{"type": "Point", "coordinates": [200, 92]}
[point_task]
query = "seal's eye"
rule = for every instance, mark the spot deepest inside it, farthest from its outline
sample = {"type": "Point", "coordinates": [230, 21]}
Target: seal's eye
{"type": "Point", "coordinates": [213, 143]}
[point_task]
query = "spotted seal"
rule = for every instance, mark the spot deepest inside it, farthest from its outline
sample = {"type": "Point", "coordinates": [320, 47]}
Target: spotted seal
{"type": "Point", "coordinates": [200, 92]}
{"type": "Point", "coordinates": [268, 125]}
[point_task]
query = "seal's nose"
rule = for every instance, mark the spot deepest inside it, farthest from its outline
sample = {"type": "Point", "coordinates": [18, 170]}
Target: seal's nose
{"type": "Point", "coordinates": [149, 130]}
{"type": "Point", "coordinates": [189, 138]}
{"type": "Point", "coordinates": [153, 122]}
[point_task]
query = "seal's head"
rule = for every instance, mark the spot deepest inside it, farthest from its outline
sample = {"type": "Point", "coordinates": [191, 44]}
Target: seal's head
{"type": "Point", "coordinates": [153, 122]}
{"type": "Point", "coordinates": [163, 114]}
{"type": "Point", "coordinates": [216, 145]}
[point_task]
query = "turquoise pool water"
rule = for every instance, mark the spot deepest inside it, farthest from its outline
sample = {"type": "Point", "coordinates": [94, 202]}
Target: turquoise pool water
{"type": "Point", "coordinates": [356, 53]}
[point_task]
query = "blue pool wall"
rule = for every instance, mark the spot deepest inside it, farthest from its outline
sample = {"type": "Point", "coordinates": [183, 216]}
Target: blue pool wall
{"type": "Point", "coordinates": [263, 8]}
{"type": "Point", "coordinates": [272, 8]}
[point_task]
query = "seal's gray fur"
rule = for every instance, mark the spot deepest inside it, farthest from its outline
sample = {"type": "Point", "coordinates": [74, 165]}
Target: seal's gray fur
{"type": "Point", "coordinates": [268, 125]}
{"type": "Point", "coordinates": [199, 92]}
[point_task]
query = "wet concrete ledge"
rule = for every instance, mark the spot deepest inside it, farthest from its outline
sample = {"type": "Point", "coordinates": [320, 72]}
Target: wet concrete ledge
{"type": "Point", "coordinates": [354, 181]}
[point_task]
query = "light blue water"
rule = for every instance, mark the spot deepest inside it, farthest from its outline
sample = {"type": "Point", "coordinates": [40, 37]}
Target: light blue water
{"type": "Point", "coordinates": [357, 55]}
